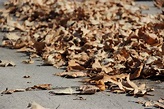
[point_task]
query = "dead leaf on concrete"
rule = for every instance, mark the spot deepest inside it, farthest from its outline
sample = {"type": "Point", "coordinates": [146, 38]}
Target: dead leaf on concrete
{"type": "Point", "coordinates": [156, 104]}
{"type": "Point", "coordinates": [35, 105]}
{"type": "Point", "coordinates": [50, 60]}
{"type": "Point", "coordinates": [11, 36]}
{"type": "Point", "coordinates": [88, 89]}
{"type": "Point", "coordinates": [43, 86]}
{"type": "Point", "coordinates": [6, 63]}
{"type": "Point", "coordinates": [40, 87]}
{"type": "Point", "coordinates": [148, 104]}
{"type": "Point", "coordinates": [133, 85]}
{"type": "Point", "coordinates": [25, 50]}
{"type": "Point", "coordinates": [11, 91]}
{"type": "Point", "coordinates": [71, 74]}
{"type": "Point", "coordinates": [29, 61]}
{"type": "Point", "coordinates": [66, 91]}
{"type": "Point", "coordinates": [161, 100]}
{"type": "Point", "coordinates": [73, 66]}
{"type": "Point", "coordinates": [159, 105]}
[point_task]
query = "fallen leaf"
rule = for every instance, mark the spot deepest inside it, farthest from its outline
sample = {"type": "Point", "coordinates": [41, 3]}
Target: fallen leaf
{"type": "Point", "coordinates": [15, 25]}
{"type": "Point", "coordinates": [161, 100]}
{"type": "Point", "coordinates": [118, 91]}
{"type": "Point", "coordinates": [43, 86]}
{"type": "Point", "coordinates": [11, 91]}
{"type": "Point", "coordinates": [39, 46]}
{"type": "Point", "coordinates": [101, 85]}
{"type": "Point", "coordinates": [11, 36]}
{"type": "Point", "coordinates": [71, 74]}
{"type": "Point", "coordinates": [159, 105]}
{"type": "Point", "coordinates": [25, 49]}
{"type": "Point", "coordinates": [50, 60]}
{"type": "Point", "coordinates": [148, 104]}
{"type": "Point", "coordinates": [137, 73]}
{"type": "Point", "coordinates": [6, 63]}
{"type": "Point", "coordinates": [73, 65]}
{"type": "Point", "coordinates": [133, 85]}
{"type": "Point", "coordinates": [96, 65]}
{"type": "Point", "coordinates": [66, 91]}
{"type": "Point", "coordinates": [159, 3]}
{"type": "Point", "coordinates": [35, 105]}
{"type": "Point", "coordinates": [40, 87]}
{"type": "Point", "coordinates": [88, 89]}
{"type": "Point", "coordinates": [29, 61]}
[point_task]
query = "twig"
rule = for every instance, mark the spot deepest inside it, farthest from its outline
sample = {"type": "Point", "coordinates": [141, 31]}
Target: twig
{"type": "Point", "coordinates": [58, 106]}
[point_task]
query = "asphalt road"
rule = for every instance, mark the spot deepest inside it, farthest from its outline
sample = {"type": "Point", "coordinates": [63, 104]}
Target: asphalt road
{"type": "Point", "coordinates": [12, 78]}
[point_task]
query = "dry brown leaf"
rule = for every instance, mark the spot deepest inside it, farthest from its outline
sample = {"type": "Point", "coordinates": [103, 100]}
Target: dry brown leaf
{"type": "Point", "coordinates": [144, 7]}
{"type": "Point", "coordinates": [40, 87]}
{"type": "Point", "coordinates": [25, 49]}
{"type": "Point", "coordinates": [133, 85]}
{"type": "Point", "coordinates": [159, 105]}
{"type": "Point", "coordinates": [117, 80]}
{"type": "Point", "coordinates": [66, 91]}
{"type": "Point", "coordinates": [137, 73]}
{"type": "Point", "coordinates": [38, 2]}
{"type": "Point", "coordinates": [161, 100]}
{"type": "Point", "coordinates": [43, 86]}
{"type": "Point", "coordinates": [163, 49]}
{"type": "Point", "coordinates": [35, 105]}
{"type": "Point", "coordinates": [159, 3]}
{"type": "Point", "coordinates": [96, 65]}
{"type": "Point", "coordinates": [6, 63]}
{"type": "Point", "coordinates": [148, 104]}
{"type": "Point", "coordinates": [10, 91]}
{"type": "Point", "coordinates": [118, 91]}
{"type": "Point", "coordinates": [50, 60]}
{"type": "Point", "coordinates": [15, 24]}
{"type": "Point", "coordinates": [71, 74]}
{"type": "Point", "coordinates": [149, 38]}
{"type": "Point", "coordinates": [88, 89]}
{"type": "Point", "coordinates": [39, 46]}
{"type": "Point", "coordinates": [73, 65]}
{"type": "Point", "coordinates": [11, 36]}
{"type": "Point", "coordinates": [101, 85]}
{"type": "Point", "coordinates": [29, 61]}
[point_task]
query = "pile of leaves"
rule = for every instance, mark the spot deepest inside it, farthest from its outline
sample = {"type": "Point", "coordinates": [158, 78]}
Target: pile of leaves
{"type": "Point", "coordinates": [100, 38]}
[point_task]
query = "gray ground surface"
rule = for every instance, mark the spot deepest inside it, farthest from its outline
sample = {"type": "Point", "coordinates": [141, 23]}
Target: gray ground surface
{"type": "Point", "coordinates": [12, 77]}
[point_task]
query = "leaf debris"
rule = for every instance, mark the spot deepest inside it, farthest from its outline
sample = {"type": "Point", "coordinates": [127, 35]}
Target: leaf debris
{"type": "Point", "coordinates": [158, 104]}
{"type": "Point", "coordinates": [112, 41]}
{"type": "Point", "coordinates": [6, 63]}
